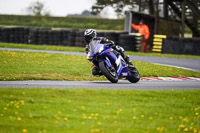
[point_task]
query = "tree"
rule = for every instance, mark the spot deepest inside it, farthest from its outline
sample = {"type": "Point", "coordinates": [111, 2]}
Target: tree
{"type": "Point", "coordinates": [120, 5]}
{"type": "Point", "coordinates": [37, 9]}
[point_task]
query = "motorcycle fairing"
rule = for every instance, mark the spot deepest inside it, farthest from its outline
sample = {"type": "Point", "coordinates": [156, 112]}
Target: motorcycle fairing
{"type": "Point", "coordinates": [119, 61]}
{"type": "Point", "coordinates": [107, 51]}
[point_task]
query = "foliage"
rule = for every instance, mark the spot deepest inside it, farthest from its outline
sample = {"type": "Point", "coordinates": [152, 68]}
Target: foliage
{"type": "Point", "coordinates": [62, 22]}
{"type": "Point", "coordinates": [99, 111]}
{"type": "Point", "coordinates": [37, 9]}
{"type": "Point", "coordinates": [119, 5]}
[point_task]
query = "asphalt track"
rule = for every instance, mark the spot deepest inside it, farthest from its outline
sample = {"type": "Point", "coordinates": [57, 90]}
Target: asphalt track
{"type": "Point", "coordinates": [122, 84]}
{"type": "Point", "coordinates": [191, 64]}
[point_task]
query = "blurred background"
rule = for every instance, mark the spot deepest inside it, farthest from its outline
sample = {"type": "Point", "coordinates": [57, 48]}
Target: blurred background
{"type": "Point", "coordinates": [53, 7]}
{"type": "Point", "coordinates": [177, 21]}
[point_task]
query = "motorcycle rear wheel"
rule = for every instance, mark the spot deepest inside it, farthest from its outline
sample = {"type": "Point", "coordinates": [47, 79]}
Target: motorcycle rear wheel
{"type": "Point", "coordinates": [110, 74]}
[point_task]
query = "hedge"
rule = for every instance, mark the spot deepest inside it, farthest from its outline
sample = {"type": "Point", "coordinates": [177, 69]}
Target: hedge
{"type": "Point", "coordinates": [62, 22]}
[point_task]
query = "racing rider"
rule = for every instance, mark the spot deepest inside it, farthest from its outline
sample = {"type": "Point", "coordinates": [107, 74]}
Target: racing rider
{"type": "Point", "coordinates": [90, 35]}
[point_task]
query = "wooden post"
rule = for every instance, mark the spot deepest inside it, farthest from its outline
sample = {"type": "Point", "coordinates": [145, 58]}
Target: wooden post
{"type": "Point", "coordinates": [151, 7]}
{"type": "Point", "coordinates": [128, 21]}
{"type": "Point", "coordinates": [156, 17]}
{"type": "Point", "coordinates": [183, 19]}
{"type": "Point", "coordinates": [165, 9]}
{"type": "Point", "coordinates": [195, 18]}
{"type": "Point", "coordinates": [140, 6]}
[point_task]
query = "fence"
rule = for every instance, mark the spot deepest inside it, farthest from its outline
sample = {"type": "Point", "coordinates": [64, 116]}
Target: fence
{"type": "Point", "coordinates": [47, 36]}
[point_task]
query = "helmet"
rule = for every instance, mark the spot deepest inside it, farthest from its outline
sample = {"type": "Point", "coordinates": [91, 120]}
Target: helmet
{"type": "Point", "coordinates": [90, 34]}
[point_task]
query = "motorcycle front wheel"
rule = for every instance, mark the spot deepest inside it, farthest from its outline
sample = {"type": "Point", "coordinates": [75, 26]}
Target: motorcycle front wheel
{"type": "Point", "coordinates": [109, 73]}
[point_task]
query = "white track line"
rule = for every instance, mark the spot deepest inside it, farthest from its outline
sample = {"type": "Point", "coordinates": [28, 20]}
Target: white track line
{"type": "Point", "coordinates": [180, 78]}
{"type": "Point", "coordinates": [177, 67]}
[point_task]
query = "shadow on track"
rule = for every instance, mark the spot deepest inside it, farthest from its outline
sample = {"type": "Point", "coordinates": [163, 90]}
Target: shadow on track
{"type": "Point", "coordinates": [109, 83]}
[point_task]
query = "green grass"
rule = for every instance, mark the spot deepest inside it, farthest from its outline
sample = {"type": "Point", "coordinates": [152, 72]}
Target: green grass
{"type": "Point", "coordinates": [42, 47]}
{"type": "Point", "coordinates": [27, 66]}
{"type": "Point", "coordinates": [81, 49]}
{"type": "Point", "coordinates": [62, 22]}
{"type": "Point", "coordinates": [45, 66]}
{"type": "Point", "coordinates": [99, 111]}
{"type": "Point", "coordinates": [163, 55]}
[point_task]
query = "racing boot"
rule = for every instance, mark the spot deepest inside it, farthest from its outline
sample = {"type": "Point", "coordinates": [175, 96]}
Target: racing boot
{"type": "Point", "coordinates": [129, 62]}
{"type": "Point", "coordinates": [96, 71]}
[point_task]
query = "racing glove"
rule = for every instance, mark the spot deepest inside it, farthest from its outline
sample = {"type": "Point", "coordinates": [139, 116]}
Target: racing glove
{"type": "Point", "coordinates": [86, 49]}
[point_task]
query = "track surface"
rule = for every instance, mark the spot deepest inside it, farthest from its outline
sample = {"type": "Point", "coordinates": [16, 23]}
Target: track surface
{"type": "Point", "coordinates": [190, 64]}
{"type": "Point", "coordinates": [122, 84]}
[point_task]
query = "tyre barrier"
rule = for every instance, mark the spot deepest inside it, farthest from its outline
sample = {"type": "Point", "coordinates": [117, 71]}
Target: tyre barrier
{"type": "Point", "coordinates": [14, 35]}
{"type": "Point", "coordinates": [176, 45]}
{"type": "Point", "coordinates": [131, 42]}
{"type": "Point", "coordinates": [157, 43]}
{"type": "Point", "coordinates": [47, 36]}
{"type": "Point", "coordinates": [179, 45]}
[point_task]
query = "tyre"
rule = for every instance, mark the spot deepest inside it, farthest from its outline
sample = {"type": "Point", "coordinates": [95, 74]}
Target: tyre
{"type": "Point", "coordinates": [135, 76]}
{"type": "Point", "coordinates": [110, 74]}
{"type": "Point", "coordinates": [127, 42]}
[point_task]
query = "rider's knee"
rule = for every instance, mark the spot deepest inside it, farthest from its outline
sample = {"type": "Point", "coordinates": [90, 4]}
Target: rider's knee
{"type": "Point", "coordinates": [95, 71]}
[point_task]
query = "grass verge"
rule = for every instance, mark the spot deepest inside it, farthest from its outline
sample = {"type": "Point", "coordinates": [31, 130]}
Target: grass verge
{"type": "Point", "coordinates": [45, 66]}
{"type": "Point", "coordinates": [99, 111]}
{"type": "Point", "coordinates": [81, 49]}
{"type": "Point", "coordinates": [42, 47]}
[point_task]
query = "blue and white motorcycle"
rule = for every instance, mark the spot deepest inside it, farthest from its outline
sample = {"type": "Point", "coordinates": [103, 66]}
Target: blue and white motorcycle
{"type": "Point", "coordinates": [111, 63]}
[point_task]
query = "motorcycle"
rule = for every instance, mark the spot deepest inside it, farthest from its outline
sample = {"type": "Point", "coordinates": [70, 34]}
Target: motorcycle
{"type": "Point", "coordinates": [110, 63]}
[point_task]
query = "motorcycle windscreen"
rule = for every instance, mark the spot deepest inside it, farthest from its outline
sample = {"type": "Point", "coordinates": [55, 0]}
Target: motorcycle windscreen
{"type": "Point", "coordinates": [93, 45]}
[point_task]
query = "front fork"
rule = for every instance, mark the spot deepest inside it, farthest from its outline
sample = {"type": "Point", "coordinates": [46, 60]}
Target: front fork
{"type": "Point", "coordinates": [109, 65]}
{"type": "Point", "coordinates": [107, 61]}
